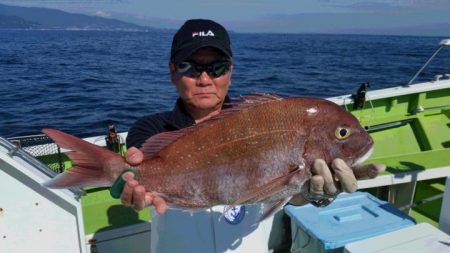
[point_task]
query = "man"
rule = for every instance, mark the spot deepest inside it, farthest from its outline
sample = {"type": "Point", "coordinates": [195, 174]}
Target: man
{"type": "Point", "coordinates": [113, 140]}
{"type": "Point", "coordinates": [200, 69]}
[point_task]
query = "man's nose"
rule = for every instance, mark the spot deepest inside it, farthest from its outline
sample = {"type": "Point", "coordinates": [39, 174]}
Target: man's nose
{"type": "Point", "coordinates": [204, 79]}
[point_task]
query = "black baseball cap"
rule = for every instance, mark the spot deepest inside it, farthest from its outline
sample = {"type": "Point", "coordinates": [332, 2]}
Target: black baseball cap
{"type": "Point", "coordinates": [197, 33]}
{"type": "Point", "coordinates": [111, 127]}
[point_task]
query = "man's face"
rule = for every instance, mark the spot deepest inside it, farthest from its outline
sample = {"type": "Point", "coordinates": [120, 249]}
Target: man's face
{"type": "Point", "coordinates": [203, 92]}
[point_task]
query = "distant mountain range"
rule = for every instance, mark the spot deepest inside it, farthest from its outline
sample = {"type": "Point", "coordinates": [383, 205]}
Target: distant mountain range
{"type": "Point", "coordinates": [15, 22]}
{"type": "Point", "coordinates": [14, 17]}
{"type": "Point", "coordinates": [380, 23]}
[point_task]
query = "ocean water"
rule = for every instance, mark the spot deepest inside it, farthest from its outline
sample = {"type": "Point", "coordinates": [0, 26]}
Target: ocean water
{"type": "Point", "coordinates": [80, 81]}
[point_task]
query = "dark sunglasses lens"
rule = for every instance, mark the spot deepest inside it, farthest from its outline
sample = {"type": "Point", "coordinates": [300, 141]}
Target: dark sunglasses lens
{"type": "Point", "coordinates": [183, 66]}
{"type": "Point", "coordinates": [192, 69]}
{"type": "Point", "coordinates": [187, 69]}
{"type": "Point", "coordinates": [219, 69]}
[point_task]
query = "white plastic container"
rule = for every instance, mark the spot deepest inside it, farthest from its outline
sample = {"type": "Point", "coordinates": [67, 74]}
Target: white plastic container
{"type": "Point", "coordinates": [422, 238]}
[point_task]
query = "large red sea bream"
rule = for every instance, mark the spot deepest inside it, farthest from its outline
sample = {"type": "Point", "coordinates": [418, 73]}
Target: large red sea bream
{"type": "Point", "coordinates": [261, 150]}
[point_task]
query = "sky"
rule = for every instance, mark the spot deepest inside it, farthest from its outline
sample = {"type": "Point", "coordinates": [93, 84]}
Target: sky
{"type": "Point", "coordinates": [286, 16]}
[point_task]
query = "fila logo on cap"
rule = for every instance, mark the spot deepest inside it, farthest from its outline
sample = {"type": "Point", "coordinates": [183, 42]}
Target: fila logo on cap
{"type": "Point", "coordinates": [203, 34]}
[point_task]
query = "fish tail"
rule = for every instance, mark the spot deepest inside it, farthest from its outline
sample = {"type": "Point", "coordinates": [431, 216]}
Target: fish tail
{"type": "Point", "coordinates": [93, 165]}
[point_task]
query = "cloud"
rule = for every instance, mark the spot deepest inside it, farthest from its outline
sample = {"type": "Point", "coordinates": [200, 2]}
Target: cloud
{"type": "Point", "coordinates": [102, 14]}
{"type": "Point", "coordinates": [379, 5]}
{"type": "Point", "coordinates": [387, 5]}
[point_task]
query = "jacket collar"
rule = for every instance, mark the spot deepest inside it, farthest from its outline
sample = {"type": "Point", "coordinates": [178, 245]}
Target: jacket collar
{"type": "Point", "coordinates": [180, 118]}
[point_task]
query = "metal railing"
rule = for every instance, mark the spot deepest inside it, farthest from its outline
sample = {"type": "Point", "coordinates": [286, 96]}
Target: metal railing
{"type": "Point", "coordinates": [42, 148]}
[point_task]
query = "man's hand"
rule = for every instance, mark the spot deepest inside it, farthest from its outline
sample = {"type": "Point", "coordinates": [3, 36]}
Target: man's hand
{"type": "Point", "coordinates": [345, 178]}
{"type": "Point", "coordinates": [133, 194]}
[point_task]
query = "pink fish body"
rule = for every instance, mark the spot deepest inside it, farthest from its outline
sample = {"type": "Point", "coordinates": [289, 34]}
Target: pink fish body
{"type": "Point", "coordinates": [261, 150]}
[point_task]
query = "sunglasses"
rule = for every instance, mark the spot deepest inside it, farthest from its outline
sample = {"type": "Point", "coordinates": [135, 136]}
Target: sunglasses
{"type": "Point", "coordinates": [192, 69]}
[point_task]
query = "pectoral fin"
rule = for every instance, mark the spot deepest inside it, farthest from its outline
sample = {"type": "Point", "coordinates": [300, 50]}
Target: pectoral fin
{"type": "Point", "coordinates": [267, 190]}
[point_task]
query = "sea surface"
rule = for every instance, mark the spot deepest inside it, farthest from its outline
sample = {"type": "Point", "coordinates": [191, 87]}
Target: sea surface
{"type": "Point", "coordinates": [81, 81]}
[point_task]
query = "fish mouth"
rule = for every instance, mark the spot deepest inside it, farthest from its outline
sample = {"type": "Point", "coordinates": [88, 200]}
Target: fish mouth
{"type": "Point", "coordinates": [363, 157]}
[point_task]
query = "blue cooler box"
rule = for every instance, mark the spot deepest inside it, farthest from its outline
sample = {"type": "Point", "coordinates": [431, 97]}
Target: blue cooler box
{"type": "Point", "coordinates": [349, 218]}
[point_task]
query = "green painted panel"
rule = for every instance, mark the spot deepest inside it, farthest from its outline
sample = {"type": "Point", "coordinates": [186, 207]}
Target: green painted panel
{"type": "Point", "coordinates": [429, 211]}
{"type": "Point", "coordinates": [416, 161]}
{"type": "Point", "coordinates": [101, 212]}
{"type": "Point", "coordinates": [420, 218]}
{"type": "Point", "coordinates": [437, 127]}
{"type": "Point", "coordinates": [397, 141]}
{"type": "Point", "coordinates": [436, 98]}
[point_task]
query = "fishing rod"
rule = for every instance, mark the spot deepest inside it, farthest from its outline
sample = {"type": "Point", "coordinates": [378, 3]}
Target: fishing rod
{"type": "Point", "coordinates": [443, 43]}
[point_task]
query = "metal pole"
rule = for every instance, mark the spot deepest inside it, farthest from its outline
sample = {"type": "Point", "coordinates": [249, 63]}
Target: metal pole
{"type": "Point", "coordinates": [429, 60]}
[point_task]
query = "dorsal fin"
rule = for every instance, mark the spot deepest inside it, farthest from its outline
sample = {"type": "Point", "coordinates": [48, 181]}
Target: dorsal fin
{"type": "Point", "coordinates": [253, 99]}
{"type": "Point", "coordinates": [156, 143]}
{"type": "Point", "coordinates": [244, 102]}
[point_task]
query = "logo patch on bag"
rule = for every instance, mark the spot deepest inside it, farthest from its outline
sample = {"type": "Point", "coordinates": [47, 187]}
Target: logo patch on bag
{"type": "Point", "coordinates": [235, 215]}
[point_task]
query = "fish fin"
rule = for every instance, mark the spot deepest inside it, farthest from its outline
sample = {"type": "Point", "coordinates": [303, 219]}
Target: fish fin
{"type": "Point", "coordinates": [253, 99]}
{"type": "Point", "coordinates": [153, 145]}
{"type": "Point", "coordinates": [244, 102]}
{"type": "Point", "coordinates": [92, 164]}
{"type": "Point", "coordinates": [273, 208]}
{"type": "Point", "coordinates": [266, 190]}
{"type": "Point", "coordinates": [77, 177]}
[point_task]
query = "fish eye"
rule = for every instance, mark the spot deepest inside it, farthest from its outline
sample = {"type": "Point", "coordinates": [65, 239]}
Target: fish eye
{"type": "Point", "coordinates": [342, 133]}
